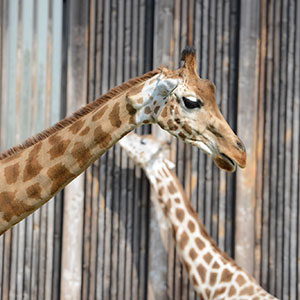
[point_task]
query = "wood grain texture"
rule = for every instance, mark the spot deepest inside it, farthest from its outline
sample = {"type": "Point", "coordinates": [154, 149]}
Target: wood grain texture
{"type": "Point", "coordinates": [249, 49]}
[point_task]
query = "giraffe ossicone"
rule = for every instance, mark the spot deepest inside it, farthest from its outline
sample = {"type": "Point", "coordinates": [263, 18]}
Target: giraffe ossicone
{"type": "Point", "coordinates": [212, 273]}
{"type": "Point", "coordinates": [35, 171]}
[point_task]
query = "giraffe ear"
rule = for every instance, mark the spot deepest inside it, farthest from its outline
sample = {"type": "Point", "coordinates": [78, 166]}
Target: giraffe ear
{"type": "Point", "coordinates": [188, 55]}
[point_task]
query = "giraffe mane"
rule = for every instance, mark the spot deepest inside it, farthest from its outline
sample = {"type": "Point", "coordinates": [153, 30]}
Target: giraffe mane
{"type": "Point", "coordinates": [114, 92]}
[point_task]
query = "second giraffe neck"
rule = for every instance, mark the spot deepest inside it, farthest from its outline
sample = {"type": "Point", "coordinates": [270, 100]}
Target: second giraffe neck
{"type": "Point", "coordinates": [212, 273]}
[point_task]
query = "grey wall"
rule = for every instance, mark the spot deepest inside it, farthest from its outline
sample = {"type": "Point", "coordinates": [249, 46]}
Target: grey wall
{"type": "Point", "coordinates": [58, 55]}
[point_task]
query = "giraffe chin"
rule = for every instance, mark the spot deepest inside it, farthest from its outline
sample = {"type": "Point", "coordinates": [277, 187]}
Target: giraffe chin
{"type": "Point", "coordinates": [225, 163]}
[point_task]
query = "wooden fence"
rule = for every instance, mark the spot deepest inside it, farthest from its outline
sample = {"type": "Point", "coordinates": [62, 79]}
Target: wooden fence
{"type": "Point", "coordinates": [99, 238]}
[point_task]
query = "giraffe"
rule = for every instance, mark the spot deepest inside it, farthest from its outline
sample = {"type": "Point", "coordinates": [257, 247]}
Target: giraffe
{"type": "Point", "coordinates": [179, 101]}
{"type": "Point", "coordinates": [212, 273]}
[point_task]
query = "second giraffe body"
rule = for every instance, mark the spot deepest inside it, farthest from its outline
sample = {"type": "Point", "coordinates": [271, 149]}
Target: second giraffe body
{"type": "Point", "coordinates": [212, 273]}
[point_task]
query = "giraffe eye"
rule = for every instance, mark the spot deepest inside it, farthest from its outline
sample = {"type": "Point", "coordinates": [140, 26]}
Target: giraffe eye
{"type": "Point", "coordinates": [192, 102]}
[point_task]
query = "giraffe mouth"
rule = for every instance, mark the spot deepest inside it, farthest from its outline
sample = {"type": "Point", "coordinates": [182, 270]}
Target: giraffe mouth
{"type": "Point", "coordinates": [224, 162]}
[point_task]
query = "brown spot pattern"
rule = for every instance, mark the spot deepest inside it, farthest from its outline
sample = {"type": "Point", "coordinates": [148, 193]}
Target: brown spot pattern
{"type": "Point", "coordinates": [164, 113]}
{"type": "Point", "coordinates": [147, 110]}
{"type": "Point", "coordinates": [58, 149]}
{"type": "Point", "coordinates": [213, 278]}
{"type": "Point", "coordinates": [114, 116]}
{"type": "Point", "coordinates": [184, 238]}
{"type": "Point", "coordinates": [11, 207]}
{"type": "Point", "coordinates": [187, 128]}
{"type": "Point", "coordinates": [191, 226]}
{"type": "Point", "coordinates": [175, 228]}
{"type": "Point", "coordinates": [98, 115]}
{"type": "Point", "coordinates": [207, 293]}
{"type": "Point", "coordinates": [81, 153]}
{"type": "Point", "coordinates": [132, 111]}
{"type": "Point", "coordinates": [11, 173]}
{"type": "Point", "coordinates": [156, 109]}
{"type": "Point", "coordinates": [240, 280]}
{"type": "Point", "coordinates": [187, 266]}
{"type": "Point", "coordinates": [54, 139]}
{"type": "Point", "coordinates": [195, 281]}
{"type": "Point", "coordinates": [85, 131]}
{"type": "Point", "coordinates": [74, 128]}
{"type": "Point", "coordinates": [165, 173]}
{"type": "Point", "coordinates": [248, 290]}
{"type": "Point", "coordinates": [208, 257]}
{"type": "Point", "coordinates": [202, 272]}
{"type": "Point", "coordinates": [177, 200]}
{"type": "Point", "coordinates": [161, 191]}
{"type": "Point", "coordinates": [216, 265]}
{"type": "Point", "coordinates": [168, 205]}
{"type": "Point", "coordinates": [34, 191]}
{"type": "Point", "coordinates": [59, 175]}
{"type": "Point", "coordinates": [182, 136]}
{"type": "Point", "coordinates": [193, 254]}
{"type": "Point", "coordinates": [32, 167]}
{"type": "Point", "coordinates": [226, 276]}
{"type": "Point", "coordinates": [171, 187]}
{"type": "Point", "coordinates": [101, 137]}
{"type": "Point", "coordinates": [199, 243]}
{"type": "Point", "coordinates": [172, 125]}
{"type": "Point", "coordinates": [179, 214]}
{"type": "Point", "coordinates": [232, 291]}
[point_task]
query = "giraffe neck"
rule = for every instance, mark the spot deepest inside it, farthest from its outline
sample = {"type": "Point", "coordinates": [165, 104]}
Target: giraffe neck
{"type": "Point", "coordinates": [35, 172]}
{"type": "Point", "coordinates": [212, 273]}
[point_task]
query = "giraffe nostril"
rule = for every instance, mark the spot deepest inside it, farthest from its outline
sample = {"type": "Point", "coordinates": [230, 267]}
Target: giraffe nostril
{"type": "Point", "coordinates": [241, 146]}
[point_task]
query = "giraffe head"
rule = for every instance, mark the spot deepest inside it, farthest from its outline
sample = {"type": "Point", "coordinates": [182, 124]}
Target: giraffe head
{"type": "Point", "coordinates": [185, 105]}
{"type": "Point", "coordinates": [144, 150]}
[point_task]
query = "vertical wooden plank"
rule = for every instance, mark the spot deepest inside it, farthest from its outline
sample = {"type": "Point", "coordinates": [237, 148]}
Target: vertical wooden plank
{"type": "Point", "coordinates": [162, 54]}
{"type": "Point", "coordinates": [99, 197]}
{"type": "Point", "coordinates": [54, 94]}
{"type": "Point", "coordinates": [74, 192]}
{"type": "Point", "coordinates": [57, 17]}
{"type": "Point", "coordinates": [8, 111]}
{"type": "Point", "coordinates": [27, 130]}
{"type": "Point", "coordinates": [286, 135]}
{"type": "Point", "coordinates": [39, 123]}
{"type": "Point", "coordinates": [17, 244]}
{"type": "Point", "coordinates": [275, 112]}
{"type": "Point", "coordinates": [233, 61]}
{"type": "Point", "coordinates": [247, 114]}
{"type": "Point", "coordinates": [106, 72]}
{"type": "Point", "coordinates": [265, 245]}
{"type": "Point", "coordinates": [1, 101]}
{"type": "Point", "coordinates": [88, 286]}
{"type": "Point", "coordinates": [260, 143]}
{"type": "Point", "coordinates": [294, 283]}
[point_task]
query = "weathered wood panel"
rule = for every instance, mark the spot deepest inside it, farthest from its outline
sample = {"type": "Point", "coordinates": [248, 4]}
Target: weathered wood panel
{"type": "Point", "coordinates": [30, 261]}
{"type": "Point", "coordinates": [247, 114]}
{"type": "Point", "coordinates": [77, 66]}
{"type": "Point", "coordinates": [277, 176]}
{"type": "Point", "coordinates": [250, 49]}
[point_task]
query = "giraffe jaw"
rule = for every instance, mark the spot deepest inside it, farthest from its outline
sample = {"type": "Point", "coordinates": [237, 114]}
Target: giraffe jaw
{"type": "Point", "coordinates": [223, 161]}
